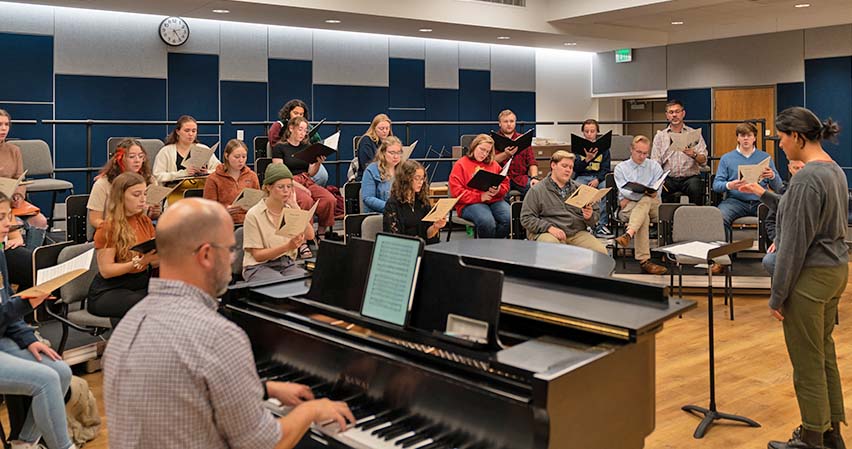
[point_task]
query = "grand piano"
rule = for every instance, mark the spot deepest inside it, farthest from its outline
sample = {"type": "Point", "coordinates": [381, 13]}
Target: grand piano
{"type": "Point", "coordinates": [568, 360]}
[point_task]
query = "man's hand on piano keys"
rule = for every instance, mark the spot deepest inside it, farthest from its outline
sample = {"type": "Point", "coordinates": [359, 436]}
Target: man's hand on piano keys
{"type": "Point", "coordinates": [288, 393]}
{"type": "Point", "coordinates": [327, 411]}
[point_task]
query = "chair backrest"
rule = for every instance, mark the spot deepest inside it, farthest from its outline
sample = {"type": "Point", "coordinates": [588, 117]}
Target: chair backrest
{"type": "Point", "coordinates": [237, 264]}
{"type": "Point", "coordinates": [355, 141]}
{"type": "Point", "coordinates": [516, 230]}
{"type": "Point", "coordinates": [698, 223]}
{"type": "Point", "coordinates": [193, 193]}
{"type": "Point", "coordinates": [36, 157]}
{"type": "Point", "coordinates": [78, 289]}
{"type": "Point", "coordinates": [46, 256]}
{"type": "Point", "coordinates": [352, 224]}
{"type": "Point", "coordinates": [260, 165]}
{"type": "Point", "coordinates": [261, 146]}
{"type": "Point", "coordinates": [611, 198]}
{"type": "Point", "coordinates": [620, 149]}
{"type": "Point", "coordinates": [112, 144]}
{"type": "Point", "coordinates": [665, 216]}
{"type": "Point", "coordinates": [152, 147]}
{"type": "Point", "coordinates": [465, 140]}
{"type": "Point", "coordinates": [371, 226]}
{"type": "Point", "coordinates": [76, 218]}
{"type": "Point", "coordinates": [352, 203]}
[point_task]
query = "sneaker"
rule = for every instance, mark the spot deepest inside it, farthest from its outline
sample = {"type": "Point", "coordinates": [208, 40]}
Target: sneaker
{"type": "Point", "coordinates": [604, 232]}
{"type": "Point", "coordinates": [623, 240]}
{"type": "Point", "coordinates": [652, 268]}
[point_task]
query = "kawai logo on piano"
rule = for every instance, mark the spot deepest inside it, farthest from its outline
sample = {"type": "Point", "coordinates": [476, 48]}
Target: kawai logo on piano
{"type": "Point", "coordinates": [350, 379]}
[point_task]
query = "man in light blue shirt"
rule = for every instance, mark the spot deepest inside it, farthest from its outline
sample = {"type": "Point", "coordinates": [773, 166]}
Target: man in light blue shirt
{"type": "Point", "coordinates": [638, 209]}
{"type": "Point", "coordinates": [738, 204]}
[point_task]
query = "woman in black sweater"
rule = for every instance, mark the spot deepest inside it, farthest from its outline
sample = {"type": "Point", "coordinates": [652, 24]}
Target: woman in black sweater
{"type": "Point", "coordinates": [409, 203]}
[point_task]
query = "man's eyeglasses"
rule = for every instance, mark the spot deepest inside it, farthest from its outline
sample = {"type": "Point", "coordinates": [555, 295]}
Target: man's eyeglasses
{"type": "Point", "coordinates": [231, 249]}
{"type": "Point", "coordinates": [674, 111]}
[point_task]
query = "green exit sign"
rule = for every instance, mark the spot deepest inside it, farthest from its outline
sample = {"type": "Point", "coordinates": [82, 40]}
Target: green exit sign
{"type": "Point", "coordinates": [624, 55]}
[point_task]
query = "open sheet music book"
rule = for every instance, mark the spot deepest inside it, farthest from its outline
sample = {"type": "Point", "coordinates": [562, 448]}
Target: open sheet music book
{"type": "Point", "coordinates": [315, 150]}
{"type": "Point", "coordinates": [8, 185]}
{"type": "Point", "coordinates": [441, 209]}
{"type": "Point", "coordinates": [199, 156]}
{"type": "Point", "coordinates": [579, 145]}
{"type": "Point", "coordinates": [156, 194]}
{"type": "Point", "coordinates": [640, 188]}
{"type": "Point", "coordinates": [751, 173]}
{"type": "Point", "coordinates": [586, 195]}
{"type": "Point", "coordinates": [294, 221]}
{"type": "Point", "coordinates": [51, 278]}
{"type": "Point", "coordinates": [685, 140]}
{"type": "Point", "coordinates": [502, 142]}
{"type": "Point", "coordinates": [248, 197]}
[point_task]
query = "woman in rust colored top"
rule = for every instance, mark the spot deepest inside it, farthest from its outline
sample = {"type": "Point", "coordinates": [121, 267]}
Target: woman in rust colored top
{"type": "Point", "coordinates": [230, 178]}
{"type": "Point", "coordinates": [123, 274]}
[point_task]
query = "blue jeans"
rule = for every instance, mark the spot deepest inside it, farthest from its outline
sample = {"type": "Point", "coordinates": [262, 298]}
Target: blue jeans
{"type": "Point", "coordinates": [321, 177]}
{"type": "Point", "coordinates": [604, 220]}
{"type": "Point", "coordinates": [491, 220]}
{"type": "Point", "coordinates": [733, 208]}
{"type": "Point", "coordinates": [769, 263]}
{"type": "Point", "coordinates": [46, 382]}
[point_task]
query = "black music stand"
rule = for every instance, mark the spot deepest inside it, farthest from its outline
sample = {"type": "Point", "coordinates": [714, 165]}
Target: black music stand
{"type": "Point", "coordinates": [711, 414]}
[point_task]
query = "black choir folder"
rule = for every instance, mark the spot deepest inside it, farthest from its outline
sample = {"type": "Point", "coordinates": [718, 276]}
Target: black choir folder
{"type": "Point", "coordinates": [484, 180]}
{"type": "Point", "coordinates": [315, 150]}
{"type": "Point", "coordinates": [641, 188]}
{"type": "Point", "coordinates": [145, 247]}
{"type": "Point", "coordinates": [502, 142]}
{"type": "Point", "coordinates": [579, 145]}
{"type": "Point", "coordinates": [315, 129]}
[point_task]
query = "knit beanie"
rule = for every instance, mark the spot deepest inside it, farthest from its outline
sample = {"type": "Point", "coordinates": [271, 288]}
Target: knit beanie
{"type": "Point", "coordinates": [275, 172]}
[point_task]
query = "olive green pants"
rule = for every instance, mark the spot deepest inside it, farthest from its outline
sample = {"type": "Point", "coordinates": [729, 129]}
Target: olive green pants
{"type": "Point", "coordinates": [809, 316]}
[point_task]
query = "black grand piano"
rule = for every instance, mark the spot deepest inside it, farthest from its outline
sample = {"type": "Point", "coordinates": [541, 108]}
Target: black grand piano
{"type": "Point", "coordinates": [567, 361]}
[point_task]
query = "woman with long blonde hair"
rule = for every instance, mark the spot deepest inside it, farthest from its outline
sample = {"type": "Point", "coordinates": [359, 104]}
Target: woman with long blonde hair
{"type": "Point", "coordinates": [123, 274]}
{"type": "Point", "coordinates": [376, 183]}
{"type": "Point", "coordinates": [379, 130]}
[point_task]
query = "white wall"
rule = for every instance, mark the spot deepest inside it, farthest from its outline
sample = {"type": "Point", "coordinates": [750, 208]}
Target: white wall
{"type": "Point", "coordinates": [563, 82]}
{"type": "Point", "coordinates": [828, 42]}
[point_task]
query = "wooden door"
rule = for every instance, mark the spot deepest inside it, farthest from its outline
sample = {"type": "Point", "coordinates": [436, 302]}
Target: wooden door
{"type": "Point", "coordinates": [741, 104]}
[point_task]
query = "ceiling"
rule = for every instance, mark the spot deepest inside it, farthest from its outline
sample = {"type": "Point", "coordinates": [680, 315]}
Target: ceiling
{"type": "Point", "coordinates": [598, 25]}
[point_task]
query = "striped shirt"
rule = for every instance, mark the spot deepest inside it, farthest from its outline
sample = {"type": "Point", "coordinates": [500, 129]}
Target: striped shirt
{"type": "Point", "coordinates": [677, 163]}
{"type": "Point", "coordinates": [177, 374]}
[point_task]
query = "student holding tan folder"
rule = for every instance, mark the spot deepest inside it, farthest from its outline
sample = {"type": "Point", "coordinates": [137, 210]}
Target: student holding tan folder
{"type": "Point", "coordinates": [408, 204]}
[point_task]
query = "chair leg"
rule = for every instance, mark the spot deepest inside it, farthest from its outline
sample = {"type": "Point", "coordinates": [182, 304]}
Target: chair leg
{"type": "Point", "coordinates": [680, 280]}
{"type": "Point", "coordinates": [729, 290]}
{"type": "Point", "coordinates": [64, 339]}
{"type": "Point", "coordinates": [52, 210]}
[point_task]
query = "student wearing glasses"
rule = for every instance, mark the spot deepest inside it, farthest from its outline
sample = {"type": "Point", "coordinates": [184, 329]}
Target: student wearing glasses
{"type": "Point", "coordinates": [376, 183]}
{"type": "Point", "coordinates": [684, 166]}
{"type": "Point", "coordinates": [409, 203]}
{"type": "Point", "coordinates": [486, 209]}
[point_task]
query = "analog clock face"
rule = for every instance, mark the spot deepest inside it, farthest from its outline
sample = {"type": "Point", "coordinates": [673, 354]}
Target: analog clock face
{"type": "Point", "coordinates": [174, 31]}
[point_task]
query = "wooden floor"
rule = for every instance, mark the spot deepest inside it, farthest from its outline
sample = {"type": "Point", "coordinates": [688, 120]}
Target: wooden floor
{"type": "Point", "coordinates": [754, 377]}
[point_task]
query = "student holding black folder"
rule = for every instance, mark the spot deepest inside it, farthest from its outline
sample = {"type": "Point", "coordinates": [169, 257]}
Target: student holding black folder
{"type": "Point", "coordinates": [123, 274]}
{"type": "Point", "coordinates": [486, 209]}
{"type": "Point", "coordinates": [307, 191]}
{"type": "Point", "coordinates": [591, 169]}
{"type": "Point", "coordinates": [296, 108]}
{"type": "Point", "coordinates": [523, 171]}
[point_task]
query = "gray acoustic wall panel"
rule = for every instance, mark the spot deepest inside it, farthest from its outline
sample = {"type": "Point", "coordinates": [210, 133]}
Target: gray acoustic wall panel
{"type": "Point", "coordinates": [26, 19]}
{"type": "Point", "coordinates": [828, 42]}
{"type": "Point", "coordinates": [406, 47]}
{"type": "Point", "coordinates": [103, 43]}
{"type": "Point", "coordinates": [350, 59]}
{"type": "Point", "coordinates": [244, 55]}
{"type": "Point", "coordinates": [474, 56]}
{"type": "Point", "coordinates": [203, 38]}
{"type": "Point", "coordinates": [646, 73]}
{"type": "Point", "coordinates": [291, 43]}
{"type": "Point", "coordinates": [512, 68]}
{"type": "Point", "coordinates": [442, 64]}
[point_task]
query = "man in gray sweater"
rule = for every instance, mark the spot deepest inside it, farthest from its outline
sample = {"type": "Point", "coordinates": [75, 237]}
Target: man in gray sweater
{"type": "Point", "coordinates": [546, 216]}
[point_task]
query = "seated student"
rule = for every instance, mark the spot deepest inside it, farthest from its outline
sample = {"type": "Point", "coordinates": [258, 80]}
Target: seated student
{"type": "Point", "coordinates": [12, 166]}
{"type": "Point", "coordinates": [639, 209]}
{"type": "Point", "coordinates": [376, 183]}
{"type": "Point", "coordinates": [409, 203]}
{"type": "Point", "coordinates": [230, 178]}
{"type": "Point", "coordinates": [487, 210]}
{"type": "Point", "coordinates": [737, 204]}
{"type": "Point", "coordinates": [380, 128]}
{"type": "Point", "coordinates": [167, 165]}
{"type": "Point", "coordinates": [307, 191]}
{"type": "Point", "coordinates": [523, 170]}
{"type": "Point", "coordinates": [547, 218]}
{"type": "Point", "coordinates": [123, 275]}
{"type": "Point", "coordinates": [269, 256]}
{"type": "Point", "coordinates": [129, 157]}
{"type": "Point", "coordinates": [592, 169]}
{"type": "Point", "coordinates": [19, 257]}
{"type": "Point", "coordinates": [684, 166]}
{"type": "Point", "coordinates": [28, 367]}
{"type": "Point", "coordinates": [295, 108]}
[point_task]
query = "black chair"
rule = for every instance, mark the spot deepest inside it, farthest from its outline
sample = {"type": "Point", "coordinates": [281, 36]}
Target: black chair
{"type": "Point", "coordinates": [516, 229]}
{"type": "Point", "coordinates": [260, 165]}
{"type": "Point", "coordinates": [352, 224]}
{"type": "Point", "coordinates": [193, 193]}
{"type": "Point", "coordinates": [456, 220]}
{"type": "Point", "coordinates": [261, 147]}
{"type": "Point", "coordinates": [762, 236]}
{"type": "Point", "coordinates": [237, 264]}
{"type": "Point", "coordinates": [665, 218]}
{"type": "Point", "coordinates": [352, 198]}
{"type": "Point", "coordinates": [76, 219]}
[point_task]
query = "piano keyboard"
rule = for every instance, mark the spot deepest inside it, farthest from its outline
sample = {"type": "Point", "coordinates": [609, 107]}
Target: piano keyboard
{"type": "Point", "coordinates": [378, 426]}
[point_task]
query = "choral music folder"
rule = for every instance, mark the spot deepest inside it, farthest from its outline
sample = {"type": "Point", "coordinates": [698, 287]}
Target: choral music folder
{"type": "Point", "coordinates": [685, 140]}
{"type": "Point", "coordinates": [641, 188]}
{"type": "Point", "coordinates": [585, 195]}
{"type": "Point", "coordinates": [315, 150]}
{"type": "Point", "coordinates": [484, 180]}
{"type": "Point", "coordinates": [315, 129]}
{"type": "Point", "coordinates": [502, 142]}
{"type": "Point", "coordinates": [751, 173]}
{"type": "Point", "coordinates": [579, 145]}
{"type": "Point", "coordinates": [145, 247]}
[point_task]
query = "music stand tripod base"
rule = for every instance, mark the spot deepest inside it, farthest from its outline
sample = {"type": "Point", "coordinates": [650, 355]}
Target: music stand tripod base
{"type": "Point", "coordinates": [711, 415]}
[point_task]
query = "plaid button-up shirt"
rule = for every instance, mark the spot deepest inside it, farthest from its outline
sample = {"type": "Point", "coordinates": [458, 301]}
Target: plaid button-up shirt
{"type": "Point", "coordinates": [677, 163]}
{"type": "Point", "coordinates": [177, 374]}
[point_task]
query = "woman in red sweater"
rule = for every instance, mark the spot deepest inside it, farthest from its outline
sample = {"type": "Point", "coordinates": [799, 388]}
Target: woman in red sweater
{"type": "Point", "coordinates": [230, 178]}
{"type": "Point", "coordinates": [486, 209]}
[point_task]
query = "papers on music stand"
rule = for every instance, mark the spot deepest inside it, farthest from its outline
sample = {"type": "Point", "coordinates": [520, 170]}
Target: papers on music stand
{"type": "Point", "coordinates": [685, 140]}
{"type": "Point", "coordinates": [156, 194]}
{"type": "Point", "coordinates": [641, 188]}
{"type": "Point", "coordinates": [696, 250]}
{"type": "Point", "coordinates": [751, 173]}
{"type": "Point", "coordinates": [441, 209]}
{"type": "Point", "coordinates": [579, 145]}
{"type": "Point", "coordinates": [248, 197]}
{"type": "Point", "coordinates": [8, 185]}
{"type": "Point", "coordinates": [407, 150]}
{"type": "Point", "coordinates": [586, 195]}
{"type": "Point", "coordinates": [295, 221]}
{"type": "Point", "coordinates": [315, 150]}
{"type": "Point", "coordinates": [502, 142]}
{"type": "Point", "coordinates": [51, 278]}
{"type": "Point", "coordinates": [198, 156]}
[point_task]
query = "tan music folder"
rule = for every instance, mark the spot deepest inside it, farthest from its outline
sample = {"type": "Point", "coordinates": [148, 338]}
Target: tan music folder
{"type": "Point", "coordinates": [586, 195]}
{"type": "Point", "coordinates": [441, 209]}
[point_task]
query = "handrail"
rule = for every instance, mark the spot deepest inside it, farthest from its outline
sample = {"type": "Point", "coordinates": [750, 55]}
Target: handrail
{"type": "Point", "coordinates": [123, 122]}
{"type": "Point", "coordinates": [25, 122]}
{"type": "Point", "coordinates": [405, 123]}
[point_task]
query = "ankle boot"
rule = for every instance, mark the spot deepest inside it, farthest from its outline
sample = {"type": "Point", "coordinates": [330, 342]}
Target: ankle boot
{"type": "Point", "coordinates": [801, 439]}
{"type": "Point", "coordinates": [832, 439]}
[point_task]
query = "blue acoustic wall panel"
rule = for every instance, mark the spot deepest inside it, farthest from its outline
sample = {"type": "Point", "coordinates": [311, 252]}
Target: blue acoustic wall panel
{"type": "Point", "coordinates": [828, 93]}
{"type": "Point", "coordinates": [193, 86]}
{"type": "Point", "coordinates": [242, 101]}
{"type": "Point", "coordinates": [347, 103]}
{"type": "Point", "coordinates": [441, 104]}
{"type": "Point", "coordinates": [23, 111]}
{"type": "Point", "coordinates": [475, 100]}
{"type": "Point", "coordinates": [414, 132]}
{"type": "Point", "coordinates": [787, 95]}
{"type": "Point", "coordinates": [104, 98]}
{"type": "Point", "coordinates": [407, 79]}
{"type": "Point", "coordinates": [28, 63]}
{"type": "Point", "coordinates": [289, 79]}
{"type": "Point", "coordinates": [699, 106]}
